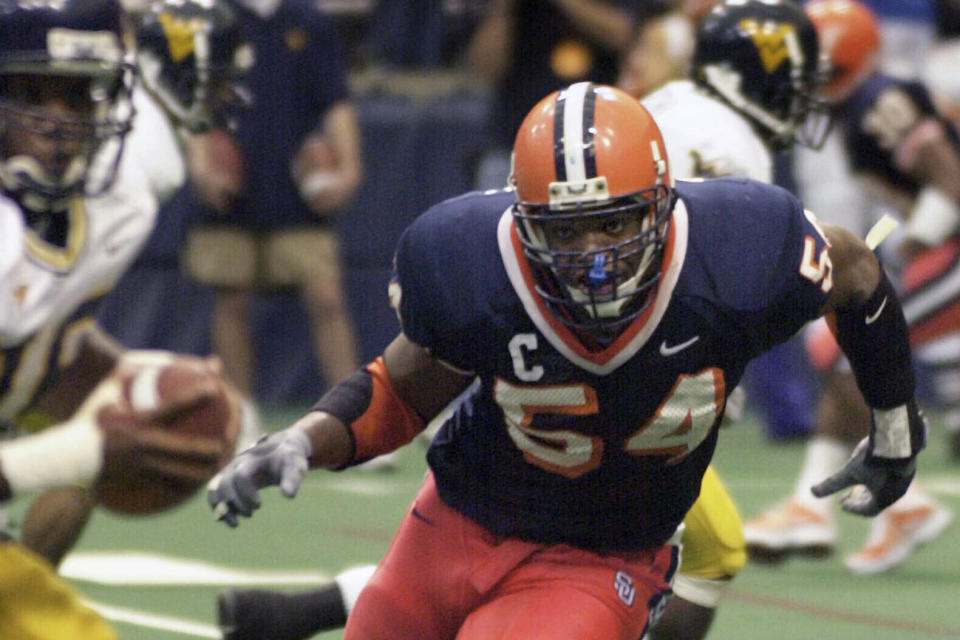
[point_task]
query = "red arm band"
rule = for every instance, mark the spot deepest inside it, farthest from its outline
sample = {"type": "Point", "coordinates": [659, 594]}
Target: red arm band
{"type": "Point", "coordinates": [379, 420]}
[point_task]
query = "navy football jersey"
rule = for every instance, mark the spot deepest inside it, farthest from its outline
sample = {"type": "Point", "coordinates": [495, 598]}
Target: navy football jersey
{"type": "Point", "coordinates": [601, 449]}
{"type": "Point", "coordinates": [877, 118]}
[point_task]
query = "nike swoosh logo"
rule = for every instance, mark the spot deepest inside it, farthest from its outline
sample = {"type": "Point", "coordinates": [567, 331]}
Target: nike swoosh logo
{"type": "Point", "coordinates": [870, 319]}
{"type": "Point", "coordinates": [419, 516]}
{"type": "Point", "coordinates": [677, 348]}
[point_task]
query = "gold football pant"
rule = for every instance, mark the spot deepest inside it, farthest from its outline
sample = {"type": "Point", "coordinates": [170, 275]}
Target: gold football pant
{"type": "Point", "coordinates": [713, 549]}
{"type": "Point", "coordinates": [36, 604]}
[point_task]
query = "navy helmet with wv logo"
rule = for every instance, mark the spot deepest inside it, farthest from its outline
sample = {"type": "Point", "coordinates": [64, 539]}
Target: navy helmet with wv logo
{"type": "Point", "coordinates": [763, 59]}
{"type": "Point", "coordinates": [192, 59]}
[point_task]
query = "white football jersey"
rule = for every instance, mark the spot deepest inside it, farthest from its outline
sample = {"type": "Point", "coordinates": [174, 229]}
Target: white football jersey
{"type": "Point", "coordinates": [705, 138]}
{"type": "Point", "coordinates": [153, 145]}
{"type": "Point", "coordinates": [11, 230]}
{"type": "Point", "coordinates": [49, 282]}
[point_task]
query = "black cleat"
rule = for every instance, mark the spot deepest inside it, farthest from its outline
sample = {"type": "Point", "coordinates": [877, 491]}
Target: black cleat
{"type": "Point", "coordinates": [227, 615]}
{"type": "Point", "coordinates": [251, 614]}
{"type": "Point", "coordinates": [261, 614]}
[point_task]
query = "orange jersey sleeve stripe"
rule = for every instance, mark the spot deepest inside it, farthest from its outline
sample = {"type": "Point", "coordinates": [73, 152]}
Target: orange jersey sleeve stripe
{"type": "Point", "coordinates": [388, 422]}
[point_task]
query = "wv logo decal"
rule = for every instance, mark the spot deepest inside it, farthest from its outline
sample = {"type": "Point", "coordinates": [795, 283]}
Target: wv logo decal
{"type": "Point", "coordinates": [180, 34]}
{"type": "Point", "coordinates": [775, 42]}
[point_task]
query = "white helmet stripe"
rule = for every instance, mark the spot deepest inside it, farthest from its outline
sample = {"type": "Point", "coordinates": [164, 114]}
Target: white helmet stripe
{"type": "Point", "coordinates": [658, 160]}
{"type": "Point", "coordinates": [575, 131]}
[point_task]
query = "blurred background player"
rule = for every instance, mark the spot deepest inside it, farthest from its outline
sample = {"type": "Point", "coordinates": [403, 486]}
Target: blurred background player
{"type": "Point", "coordinates": [271, 189]}
{"type": "Point", "coordinates": [191, 60]}
{"type": "Point", "coordinates": [908, 155]}
{"type": "Point", "coordinates": [77, 210]}
{"type": "Point", "coordinates": [780, 383]}
{"type": "Point", "coordinates": [189, 56]}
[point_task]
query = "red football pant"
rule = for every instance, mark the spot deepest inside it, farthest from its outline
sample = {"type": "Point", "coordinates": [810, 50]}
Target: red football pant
{"type": "Point", "coordinates": [445, 577]}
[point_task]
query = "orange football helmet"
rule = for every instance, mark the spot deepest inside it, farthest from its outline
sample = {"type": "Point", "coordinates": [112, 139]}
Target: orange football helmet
{"type": "Point", "coordinates": [592, 154]}
{"type": "Point", "coordinates": [850, 38]}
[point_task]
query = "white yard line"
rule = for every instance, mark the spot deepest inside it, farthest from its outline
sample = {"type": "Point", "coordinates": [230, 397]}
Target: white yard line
{"type": "Point", "coordinates": [154, 621]}
{"type": "Point", "coordinates": [152, 569]}
{"type": "Point", "coordinates": [135, 568]}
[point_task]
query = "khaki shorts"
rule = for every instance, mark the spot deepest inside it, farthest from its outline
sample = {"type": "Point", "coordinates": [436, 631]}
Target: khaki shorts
{"type": "Point", "coordinates": [232, 257]}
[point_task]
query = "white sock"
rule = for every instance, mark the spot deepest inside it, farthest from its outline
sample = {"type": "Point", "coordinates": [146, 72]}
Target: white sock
{"type": "Point", "coordinates": [351, 583]}
{"type": "Point", "coordinates": [824, 456]}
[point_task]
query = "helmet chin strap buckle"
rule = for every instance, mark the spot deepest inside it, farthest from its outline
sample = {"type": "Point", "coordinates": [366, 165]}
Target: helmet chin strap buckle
{"type": "Point", "coordinates": [598, 275]}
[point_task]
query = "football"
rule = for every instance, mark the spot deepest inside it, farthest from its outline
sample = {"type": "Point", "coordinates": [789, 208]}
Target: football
{"type": "Point", "coordinates": [181, 395]}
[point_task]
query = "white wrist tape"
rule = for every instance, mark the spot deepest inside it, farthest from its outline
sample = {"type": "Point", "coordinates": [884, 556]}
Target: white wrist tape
{"type": "Point", "coordinates": [891, 436]}
{"type": "Point", "coordinates": [879, 231]}
{"type": "Point", "coordinates": [70, 453]}
{"type": "Point", "coordinates": [933, 218]}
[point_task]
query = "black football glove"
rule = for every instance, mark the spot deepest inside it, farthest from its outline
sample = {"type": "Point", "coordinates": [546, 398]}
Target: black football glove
{"type": "Point", "coordinates": [881, 484]}
{"type": "Point", "coordinates": [276, 459]}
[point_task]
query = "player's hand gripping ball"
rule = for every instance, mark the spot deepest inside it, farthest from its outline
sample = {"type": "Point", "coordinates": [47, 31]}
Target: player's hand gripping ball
{"type": "Point", "coordinates": [173, 425]}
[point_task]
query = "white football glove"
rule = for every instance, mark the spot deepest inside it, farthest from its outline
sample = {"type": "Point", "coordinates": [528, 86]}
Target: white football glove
{"type": "Point", "coordinates": [276, 459]}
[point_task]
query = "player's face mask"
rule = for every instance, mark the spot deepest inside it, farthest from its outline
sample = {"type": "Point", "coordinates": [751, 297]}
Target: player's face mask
{"type": "Point", "coordinates": [605, 260]}
{"type": "Point", "coordinates": [56, 132]}
{"type": "Point", "coordinates": [593, 206]}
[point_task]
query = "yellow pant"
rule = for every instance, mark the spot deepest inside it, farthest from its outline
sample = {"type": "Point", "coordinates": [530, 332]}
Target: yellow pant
{"type": "Point", "coordinates": [713, 549]}
{"type": "Point", "coordinates": [35, 604]}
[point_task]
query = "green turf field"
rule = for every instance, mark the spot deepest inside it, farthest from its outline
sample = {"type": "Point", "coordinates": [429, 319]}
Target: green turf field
{"type": "Point", "coordinates": [157, 576]}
